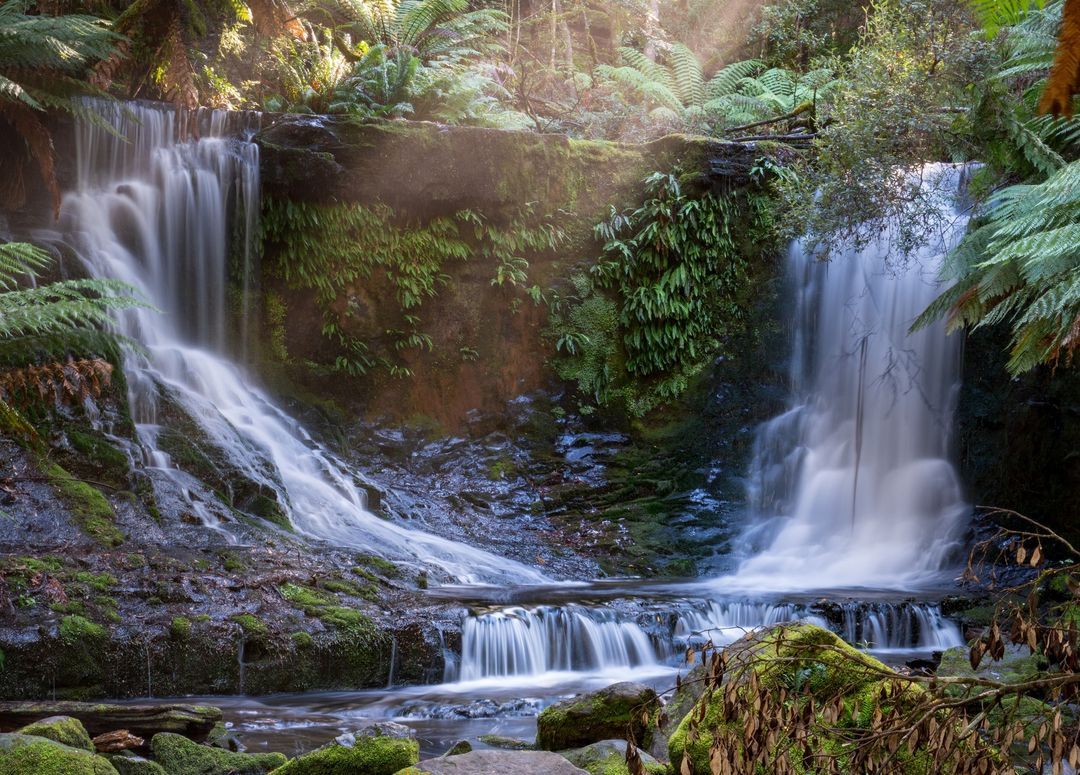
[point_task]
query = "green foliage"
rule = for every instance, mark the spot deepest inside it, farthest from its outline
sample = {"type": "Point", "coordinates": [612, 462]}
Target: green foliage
{"type": "Point", "coordinates": [1021, 267]}
{"type": "Point", "coordinates": [902, 101]}
{"type": "Point", "coordinates": [44, 64]}
{"type": "Point", "coordinates": [331, 248]}
{"type": "Point", "coordinates": [54, 319]}
{"type": "Point", "coordinates": [659, 305]}
{"type": "Point", "coordinates": [676, 92]}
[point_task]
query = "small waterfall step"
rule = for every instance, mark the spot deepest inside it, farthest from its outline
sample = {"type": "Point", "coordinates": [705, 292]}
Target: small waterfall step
{"type": "Point", "coordinates": [520, 641]}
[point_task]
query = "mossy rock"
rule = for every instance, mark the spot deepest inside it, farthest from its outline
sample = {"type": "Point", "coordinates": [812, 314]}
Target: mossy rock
{"type": "Point", "coordinates": [608, 757]}
{"type": "Point", "coordinates": [180, 756]}
{"type": "Point", "coordinates": [1019, 665]}
{"type": "Point", "coordinates": [607, 714]}
{"type": "Point", "coordinates": [806, 662]}
{"type": "Point", "coordinates": [24, 754]}
{"type": "Point", "coordinates": [376, 754]}
{"type": "Point", "coordinates": [127, 763]}
{"type": "Point", "coordinates": [62, 729]}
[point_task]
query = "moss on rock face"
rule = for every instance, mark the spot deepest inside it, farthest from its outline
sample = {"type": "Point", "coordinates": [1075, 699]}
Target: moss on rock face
{"type": "Point", "coordinates": [180, 756]}
{"type": "Point", "coordinates": [129, 764]}
{"type": "Point", "coordinates": [607, 714]}
{"type": "Point", "coordinates": [608, 757]}
{"type": "Point", "coordinates": [62, 729]}
{"type": "Point", "coordinates": [379, 755]}
{"type": "Point", "coordinates": [91, 509]}
{"type": "Point", "coordinates": [23, 755]}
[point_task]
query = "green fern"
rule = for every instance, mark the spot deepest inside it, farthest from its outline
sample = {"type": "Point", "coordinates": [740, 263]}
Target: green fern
{"type": "Point", "coordinates": [1022, 268]}
{"type": "Point", "coordinates": [54, 319]}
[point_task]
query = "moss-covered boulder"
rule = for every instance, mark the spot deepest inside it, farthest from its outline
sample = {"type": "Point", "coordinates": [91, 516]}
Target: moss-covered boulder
{"type": "Point", "coordinates": [62, 729]}
{"type": "Point", "coordinates": [608, 757]}
{"type": "Point", "coordinates": [180, 756]}
{"type": "Point", "coordinates": [381, 749]}
{"type": "Point", "coordinates": [127, 763]}
{"type": "Point", "coordinates": [25, 754]}
{"type": "Point", "coordinates": [610, 713]}
{"type": "Point", "coordinates": [788, 667]}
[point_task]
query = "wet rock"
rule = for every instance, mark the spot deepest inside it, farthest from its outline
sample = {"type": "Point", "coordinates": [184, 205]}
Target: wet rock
{"type": "Point", "coordinates": [180, 756]}
{"type": "Point", "coordinates": [681, 702]}
{"type": "Point", "coordinates": [128, 763]}
{"type": "Point", "coordinates": [497, 763]}
{"type": "Point", "coordinates": [505, 743]}
{"type": "Point", "coordinates": [114, 742]}
{"type": "Point", "coordinates": [62, 729]}
{"type": "Point", "coordinates": [38, 755]}
{"type": "Point", "coordinates": [378, 749]}
{"type": "Point", "coordinates": [609, 713]}
{"type": "Point", "coordinates": [1017, 666]}
{"type": "Point", "coordinates": [193, 721]}
{"type": "Point", "coordinates": [224, 738]}
{"type": "Point", "coordinates": [458, 748]}
{"type": "Point", "coordinates": [608, 757]}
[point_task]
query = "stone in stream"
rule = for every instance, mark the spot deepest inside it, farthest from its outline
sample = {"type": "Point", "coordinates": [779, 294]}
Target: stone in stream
{"type": "Point", "coordinates": [193, 721]}
{"type": "Point", "coordinates": [62, 729]}
{"type": "Point", "coordinates": [458, 748]}
{"type": "Point", "coordinates": [27, 754]}
{"type": "Point", "coordinates": [180, 756]}
{"type": "Point", "coordinates": [608, 757]}
{"type": "Point", "coordinates": [496, 763]}
{"type": "Point", "coordinates": [614, 712]}
{"type": "Point", "coordinates": [379, 749]}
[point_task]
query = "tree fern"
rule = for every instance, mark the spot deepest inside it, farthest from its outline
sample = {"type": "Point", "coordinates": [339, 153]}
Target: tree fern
{"type": "Point", "coordinates": [55, 319]}
{"type": "Point", "coordinates": [1022, 267]}
{"type": "Point", "coordinates": [44, 64]}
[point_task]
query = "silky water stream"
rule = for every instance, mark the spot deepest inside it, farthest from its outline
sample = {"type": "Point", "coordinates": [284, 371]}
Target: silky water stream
{"type": "Point", "coordinates": [852, 495]}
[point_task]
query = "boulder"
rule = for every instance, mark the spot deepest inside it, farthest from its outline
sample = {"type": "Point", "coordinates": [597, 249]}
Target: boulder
{"type": "Point", "coordinates": [793, 664]}
{"type": "Point", "coordinates": [614, 712]}
{"type": "Point", "coordinates": [127, 763]}
{"type": "Point", "coordinates": [193, 721]}
{"type": "Point", "coordinates": [608, 757]}
{"type": "Point", "coordinates": [62, 729]}
{"type": "Point", "coordinates": [504, 743]}
{"type": "Point", "coordinates": [379, 749]}
{"type": "Point", "coordinates": [496, 763]}
{"type": "Point", "coordinates": [180, 756]}
{"type": "Point", "coordinates": [26, 754]}
{"type": "Point", "coordinates": [458, 748]}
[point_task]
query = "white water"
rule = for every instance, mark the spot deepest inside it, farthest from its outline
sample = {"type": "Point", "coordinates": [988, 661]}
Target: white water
{"type": "Point", "coordinates": [853, 484]}
{"type": "Point", "coordinates": [158, 205]}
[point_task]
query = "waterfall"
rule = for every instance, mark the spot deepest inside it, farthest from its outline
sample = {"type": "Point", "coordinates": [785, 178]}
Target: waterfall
{"type": "Point", "coordinates": [516, 641]}
{"type": "Point", "coordinates": [524, 642]}
{"type": "Point", "coordinates": [852, 485]}
{"type": "Point", "coordinates": [167, 200]}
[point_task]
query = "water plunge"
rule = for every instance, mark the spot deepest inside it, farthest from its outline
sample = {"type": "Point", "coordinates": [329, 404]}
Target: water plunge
{"type": "Point", "coordinates": [156, 205]}
{"type": "Point", "coordinates": [852, 485]}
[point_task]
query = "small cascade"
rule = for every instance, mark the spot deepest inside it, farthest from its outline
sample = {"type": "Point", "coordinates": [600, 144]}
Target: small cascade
{"type": "Point", "coordinates": [521, 642]}
{"type": "Point", "coordinates": [726, 622]}
{"type": "Point", "coordinates": [517, 641]}
{"type": "Point", "coordinates": [884, 626]}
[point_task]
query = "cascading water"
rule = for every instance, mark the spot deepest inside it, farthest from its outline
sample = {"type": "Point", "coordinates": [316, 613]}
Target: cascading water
{"type": "Point", "coordinates": [517, 641]}
{"type": "Point", "coordinates": [852, 485]}
{"type": "Point", "coordinates": [155, 206]}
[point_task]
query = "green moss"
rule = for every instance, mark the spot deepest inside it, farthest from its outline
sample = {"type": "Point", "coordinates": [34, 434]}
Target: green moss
{"type": "Point", "coordinates": [61, 729]}
{"type": "Point", "coordinates": [135, 765]}
{"type": "Point", "coordinates": [180, 756]}
{"type": "Point", "coordinates": [802, 660]}
{"type": "Point", "coordinates": [347, 619]}
{"type": "Point", "coordinates": [100, 451]}
{"type": "Point", "coordinates": [370, 756]}
{"type": "Point", "coordinates": [252, 626]}
{"type": "Point", "coordinates": [77, 629]}
{"type": "Point", "coordinates": [180, 628]}
{"type": "Point", "coordinates": [25, 755]}
{"type": "Point", "coordinates": [70, 607]}
{"type": "Point", "coordinates": [304, 597]}
{"type": "Point", "coordinates": [90, 508]}
{"type": "Point", "coordinates": [383, 566]}
{"type": "Point", "coordinates": [201, 618]}
{"type": "Point", "coordinates": [102, 582]}
{"type": "Point", "coordinates": [47, 564]}
{"type": "Point", "coordinates": [302, 640]}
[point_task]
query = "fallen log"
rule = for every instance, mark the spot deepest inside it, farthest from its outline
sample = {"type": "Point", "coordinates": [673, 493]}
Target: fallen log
{"type": "Point", "coordinates": [191, 721]}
